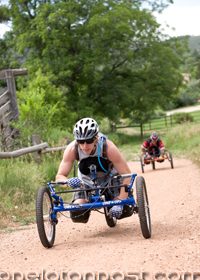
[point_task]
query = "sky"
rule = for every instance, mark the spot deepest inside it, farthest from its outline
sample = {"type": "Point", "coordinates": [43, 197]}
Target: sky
{"type": "Point", "coordinates": [183, 17]}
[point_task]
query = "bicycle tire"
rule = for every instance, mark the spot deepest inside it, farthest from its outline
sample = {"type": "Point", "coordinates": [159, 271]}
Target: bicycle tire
{"type": "Point", "coordinates": [171, 160]}
{"type": "Point", "coordinates": [153, 164]}
{"type": "Point", "coordinates": [111, 221]}
{"type": "Point", "coordinates": [46, 227]}
{"type": "Point", "coordinates": [143, 207]}
{"type": "Point", "coordinates": [142, 164]}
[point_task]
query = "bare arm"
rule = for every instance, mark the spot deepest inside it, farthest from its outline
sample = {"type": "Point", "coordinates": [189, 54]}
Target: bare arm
{"type": "Point", "coordinates": [66, 163]}
{"type": "Point", "coordinates": [119, 163]}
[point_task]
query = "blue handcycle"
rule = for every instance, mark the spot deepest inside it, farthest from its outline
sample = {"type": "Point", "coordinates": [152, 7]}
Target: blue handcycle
{"type": "Point", "coordinates": [49, 202]}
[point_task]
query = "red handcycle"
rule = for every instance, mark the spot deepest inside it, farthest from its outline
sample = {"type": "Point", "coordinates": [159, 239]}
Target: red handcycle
{"type": "Point", "coordinates": [147, 159]}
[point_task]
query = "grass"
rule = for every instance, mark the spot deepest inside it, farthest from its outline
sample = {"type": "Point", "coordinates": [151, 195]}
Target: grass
{"type": "Point", "coordinates": [20, 177]}
{"type": "Point", "coordinates": [166, 122]}
{"type": "Point", "coordinates": [19, 181]}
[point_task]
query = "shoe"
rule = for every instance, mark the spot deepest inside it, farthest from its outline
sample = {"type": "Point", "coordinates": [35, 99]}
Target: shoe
{"type": "Point", "coordinates": [160, 159]}
{"type": "Point", "coordinates": [128, 211]}
{"type": "Point", "coordinates": [147, 159]}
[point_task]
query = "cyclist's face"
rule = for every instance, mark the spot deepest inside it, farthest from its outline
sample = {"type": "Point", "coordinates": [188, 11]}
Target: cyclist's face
{"type": "Point", "coordinates": [87, 148]}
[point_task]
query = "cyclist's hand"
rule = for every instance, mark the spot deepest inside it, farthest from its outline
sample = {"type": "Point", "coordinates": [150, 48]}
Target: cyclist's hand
{"type": "Point", "coordinates": [116, 211]}
{"type": "Point", "coordinates": [74, 182]}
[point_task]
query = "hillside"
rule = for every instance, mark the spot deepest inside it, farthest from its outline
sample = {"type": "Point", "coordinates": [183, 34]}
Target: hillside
{"type": "Point", "coordinates": [194, 43]}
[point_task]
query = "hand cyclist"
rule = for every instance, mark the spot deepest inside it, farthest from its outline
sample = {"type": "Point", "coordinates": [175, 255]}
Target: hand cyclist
{"type": "Point", "coordinates": [92, 149]}
{"type": "Point", "coordinates": [153, 146]}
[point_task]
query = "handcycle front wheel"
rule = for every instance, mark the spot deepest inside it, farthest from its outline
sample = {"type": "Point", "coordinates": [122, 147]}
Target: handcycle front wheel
{"type": "Point", "coordinates": [143, 207]}
{"type": "Point", "coordinates": [142, 163]}
{"type": "Point", "coordinates": [153, 164]}
{"type": "Point", "coordinates": [168, 155]}
{"type": "Point", "coordinates": [171, 159]}
{"type": "Point", "coordinates": [45, 225]}
{"type": "Point", "coordinates": [111, 221]}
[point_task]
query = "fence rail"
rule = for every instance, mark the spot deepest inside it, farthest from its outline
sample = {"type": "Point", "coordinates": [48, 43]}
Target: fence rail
{"type": "Point", "coordinates": [161, 122]}
{"type": "Point", "coordinates": [15, 72]}
{"type": "Point", "coordinates": [4, 97]}
{"type": "Point", "coordinates": [39, 148]}
{"type": "Point", "coordinates": [169, 121]}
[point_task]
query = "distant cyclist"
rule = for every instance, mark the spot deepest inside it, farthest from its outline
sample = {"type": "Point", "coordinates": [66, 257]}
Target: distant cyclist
{"type": "Point", "coordinates": [153, 146]}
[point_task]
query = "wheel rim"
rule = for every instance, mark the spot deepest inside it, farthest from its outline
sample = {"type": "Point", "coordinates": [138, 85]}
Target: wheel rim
{"type": "Point", "coordinates": [47, 208]}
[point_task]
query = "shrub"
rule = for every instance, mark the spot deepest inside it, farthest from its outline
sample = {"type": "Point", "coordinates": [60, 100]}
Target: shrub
{"type": "Point", "coordinates": [42, 108]}
{"type": "Point", "coordinates": [180, 118]}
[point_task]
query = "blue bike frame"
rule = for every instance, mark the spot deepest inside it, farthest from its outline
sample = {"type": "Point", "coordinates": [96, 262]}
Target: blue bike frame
{"type": "Point", "coordinates": [95, 199]}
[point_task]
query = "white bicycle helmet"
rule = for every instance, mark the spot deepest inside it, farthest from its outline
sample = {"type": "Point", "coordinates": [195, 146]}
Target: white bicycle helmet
{"type": "Point", "coordinates": [154, 136]}
{"type": "Point", "coordinates": [85, 128]}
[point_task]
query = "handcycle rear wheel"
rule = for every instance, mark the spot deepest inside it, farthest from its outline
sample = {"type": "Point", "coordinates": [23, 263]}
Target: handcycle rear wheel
{"type": "Point", "coordinates": [46, 227]}
{"type": "Point", "coordinates": [111, 221]}
{"type": "Point", "coordinates": [168, 155]}
{"type": "Point", "coordinates": [143, 207]}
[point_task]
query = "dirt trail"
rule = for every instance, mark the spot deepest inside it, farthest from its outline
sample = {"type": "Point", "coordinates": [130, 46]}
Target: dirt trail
{"type": "Point", "coordinates": [94, 247]}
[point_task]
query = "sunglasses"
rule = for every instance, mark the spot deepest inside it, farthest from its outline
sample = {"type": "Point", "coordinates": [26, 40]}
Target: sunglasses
{"type": "Point", "coordinates": [87, 141]}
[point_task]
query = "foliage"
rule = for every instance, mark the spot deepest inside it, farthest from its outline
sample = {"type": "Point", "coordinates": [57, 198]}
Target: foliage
{"type": "Point", "coordinates": [9, 58]}
{"type": "Point", "coordinates": [182, 118]}
{"type": "Point", "coordinates": [187, 140]}
{"type": "Point", "coordinates": [159, 81]}
{"type": "Point", "coordinates": [41, 108]}
{"type": "Point", "coordinates": [98, 51]}
{"type": "Point", "coordinates": [189, 95]}
{"type": "Point", "coordinates": [194, 43]}
{"type": "Point", "coordinates": [18, 182]}
{"type": "Point", "coordinates": [4, 13]}
{"type": "Point", "coordinates": [196, 64]}
{"type": "Point", "coordinates": [20, 178]}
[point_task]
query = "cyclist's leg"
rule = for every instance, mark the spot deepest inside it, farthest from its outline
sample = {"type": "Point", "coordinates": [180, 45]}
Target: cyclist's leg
{"type": "Point", "coordinates": [127, 209]}
{"type": "Point", "coordinates": [157, 151]}
{"type": "Point", "coordinates": [80, 216]}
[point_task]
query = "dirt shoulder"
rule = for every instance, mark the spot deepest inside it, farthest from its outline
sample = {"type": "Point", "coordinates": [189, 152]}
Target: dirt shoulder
{"type": "Point", "coordinates": [94, 247]}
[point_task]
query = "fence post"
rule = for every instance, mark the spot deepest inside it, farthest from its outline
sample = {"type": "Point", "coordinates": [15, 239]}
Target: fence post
{"type": "Point", "coordinates": [150, 124]}
{"type": "Point", "coordinates": [141, 131]}
{"type": "Point", "coordinates": [6, 137]}
{"type": "Point", "coordinates": [165, 121]}
{"type": "Point", "coordinates": [12, 91]}
{"type": "Point", "coordinates": [171, 122]}
{"type": "Point", "coordinates": [35, 139]}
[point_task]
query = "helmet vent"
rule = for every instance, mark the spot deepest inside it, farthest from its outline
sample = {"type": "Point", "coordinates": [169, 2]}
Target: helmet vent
{"type": "Point", "coordinates": [85, 128]}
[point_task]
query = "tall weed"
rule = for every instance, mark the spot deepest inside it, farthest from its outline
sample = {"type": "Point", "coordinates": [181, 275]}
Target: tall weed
{"type": "Point", "coordinates": [19, 181]}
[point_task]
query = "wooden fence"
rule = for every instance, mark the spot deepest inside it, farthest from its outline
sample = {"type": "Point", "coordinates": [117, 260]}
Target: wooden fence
{"type": "Point", "coordinates": [170, 121]}
{"type": "Point", "coordinates": [160, 123]}
{"type": "Point", "coordinates": [8, 105]}
{"type": "Point", "coordinates": [39, 149]}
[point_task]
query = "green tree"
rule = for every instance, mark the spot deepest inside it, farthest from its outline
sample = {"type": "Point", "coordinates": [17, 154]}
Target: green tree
{"type": "Point", "coordinates": [4, 13]}
{"type": "Point", "coordinates": [196, 63]}
{"type": "Point", "coordinates": [107, 56]}
{"type": "Point", "coordinates": [41, 108]}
